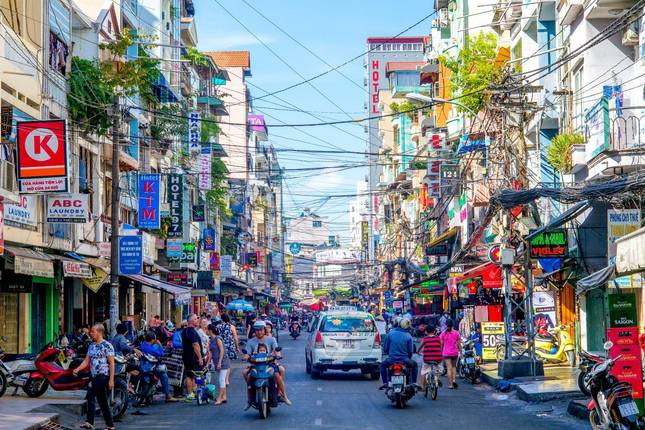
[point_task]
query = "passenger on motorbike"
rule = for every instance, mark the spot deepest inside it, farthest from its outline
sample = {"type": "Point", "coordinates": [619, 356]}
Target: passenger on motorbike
{"type": "Point", "coordinates": [121, 344]}
{"type": "Point", "coordinates": [261, 338]}
{"type": "Point", "coordinates": [399, 347]}
{"type": "Point", "coordinates": [153, 347]}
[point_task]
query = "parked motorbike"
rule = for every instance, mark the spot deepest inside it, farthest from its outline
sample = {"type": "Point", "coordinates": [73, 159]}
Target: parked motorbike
{"type": "Point", "coordinates": [612, 405]}
{"type": "Point", "coordinates": [15, 371]}
{"type": "Point", "coordinates": [263, 386]}
{"type": "Point", "coordinates": [399, 388]}
{"type": "Point", "coordinates": [555, 346]}
{"type": "Point", "coordinates": [49, 370]}
{"type": "Point", "coordinates": [294, 330]}
{"type": "Point", "coordinates": [586, 361]}
{"type": "Point", "coordinates": [147, 384]}
{"type": "Point", "coordinates": [467, 366]}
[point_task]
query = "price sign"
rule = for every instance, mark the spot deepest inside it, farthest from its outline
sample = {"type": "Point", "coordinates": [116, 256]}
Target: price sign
{"type": "Point", "coordinates": [491, 331]}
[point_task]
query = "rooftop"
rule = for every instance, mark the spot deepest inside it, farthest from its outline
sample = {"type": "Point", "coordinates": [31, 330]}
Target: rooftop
{"type": "Point", "coordinates": [231, 58]}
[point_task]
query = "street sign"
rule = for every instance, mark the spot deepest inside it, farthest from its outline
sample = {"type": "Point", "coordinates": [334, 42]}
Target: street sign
{"type": "Point", "coordinates": [176, 201]}
{"type": "Point", "coordinates": [449, 172]}
{"type": "Point", "coordinates": [149, 201]}
{"type": "Point", "coordinates": [295, 248]}
{"type": "Point", "coordinates": [130, 255]}
{"type": "Point", "coordinates": [42, 156]}
{"type": "Point", "coordinates": [551, 244]}
{"type": "Point", "coordinates": [173, 249]}
{"type": "Point", "coordinates": [68, 208]}
{"type": "Point", "coordinates": [495, 253]}
{"type": "Point", "coordinates": [208, 239]}
{"type": "Point", "coordinates": [491, 331]}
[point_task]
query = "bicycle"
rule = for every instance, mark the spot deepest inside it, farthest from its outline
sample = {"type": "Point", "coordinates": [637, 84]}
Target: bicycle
{"type": "Point", "coordinates": [201, 391]}
{"type": "Point", "coordinates": [432, 381]}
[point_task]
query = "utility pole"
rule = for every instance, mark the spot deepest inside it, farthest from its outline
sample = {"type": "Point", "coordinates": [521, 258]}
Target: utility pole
{"type": "Point", "coordinates": [114, 251]}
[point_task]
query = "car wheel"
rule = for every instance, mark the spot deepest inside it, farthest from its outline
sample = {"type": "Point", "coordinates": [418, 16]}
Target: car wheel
{"type": "Point", "coordinates": [375, 375]}
{"type": "Point", "coordinates": [307, 366]}
{"type": "Point", "coordinates": [315, 373]}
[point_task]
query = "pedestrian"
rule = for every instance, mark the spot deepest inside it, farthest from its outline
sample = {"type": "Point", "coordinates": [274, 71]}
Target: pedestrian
{"type": "Point", "coordinates": [250, 320]}
{"type": "Point", "coordinates": [442, 321]}
{"type": "Point", "coordinates": [202, 331]}
{"type": "Point", "coordinates": [228, 332]}
{"type": "Point", "coordinates": [191, 354]}
{"type": "Point", "coordinates": [100, 360]}
{"type": "Point", "coordinates": [220, 360]}
{"type": "Point", "coordinates": [450, 340]}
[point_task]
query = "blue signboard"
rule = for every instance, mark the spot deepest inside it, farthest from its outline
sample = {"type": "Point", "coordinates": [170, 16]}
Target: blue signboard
{"type": "Point", "coordinates": [130, 255]}
{"type": "Point", "coordinates": [295, 248]}
{"type": "Point", "coordinates": [149, 201]}
{"type": "Point", "coordinates": [208, 238]}
{"type": "Point", "coordinates": [173, 248]}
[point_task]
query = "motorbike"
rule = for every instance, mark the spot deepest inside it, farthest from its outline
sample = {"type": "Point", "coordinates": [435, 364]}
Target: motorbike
{"type": "Point", "coordinates": [552, 346]}
{"type": "Point", "coordinates": [15, 371]}
{"type": "Point", "coordinates": [147, 384]}
{"type": "Point", "coordinates": [399, 388]}
{"type": "Point", "coordinates": [263, 386]}
{"type": "Point", "coordinates": [467, 366]}
{"type": "Point", "coordinates": [586, 361]}
{"type": "Point", "coordinates": [49, 370]}
{"type": "Point", "coordinates": [294, 330]}
{"type": "Point", "coordinates": [612, 405]}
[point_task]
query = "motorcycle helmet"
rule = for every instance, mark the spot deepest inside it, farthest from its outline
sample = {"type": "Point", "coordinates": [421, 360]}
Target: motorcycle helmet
{"type": "Point", "coordinates": [404, 323]}
{"type": "Point", "coordinates": [259, 325]}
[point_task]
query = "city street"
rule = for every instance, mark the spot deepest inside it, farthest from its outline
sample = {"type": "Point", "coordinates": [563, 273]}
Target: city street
{"type": "Point", "coordinates": [347, 401]}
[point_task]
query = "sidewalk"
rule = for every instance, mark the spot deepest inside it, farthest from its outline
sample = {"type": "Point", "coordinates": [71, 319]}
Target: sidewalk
{"type": "Point", "coordinates": [557, 383]}
{"type": "Point", "coordinates": [24, 413]}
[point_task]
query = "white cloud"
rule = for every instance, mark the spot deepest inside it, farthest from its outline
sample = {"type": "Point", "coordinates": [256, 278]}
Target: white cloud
{"type": "Point", "coordinates": [326, 180]}
{"type": "Point", "coordinates": [231, 41]}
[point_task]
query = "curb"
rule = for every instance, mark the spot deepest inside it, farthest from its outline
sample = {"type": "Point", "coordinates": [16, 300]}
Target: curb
{"type": "Point", "coordinates": [546, 396]}
{"type": "Point", "coordinates": [578, 409]}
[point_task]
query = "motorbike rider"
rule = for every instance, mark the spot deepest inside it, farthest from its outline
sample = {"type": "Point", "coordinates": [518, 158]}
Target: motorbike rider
{"type": "Point", "coordinates": [121, 344]}
{"type": "Point", "coordinates": [153, 347]}
{"type": "Point", "coordinates": [294, 323]}
{"type": "Point", "coordinates": [259, 328]}
{"type": "Point", "coordinates": [398, 346]}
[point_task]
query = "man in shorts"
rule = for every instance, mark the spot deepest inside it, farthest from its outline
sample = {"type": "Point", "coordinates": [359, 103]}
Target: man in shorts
{"type": "Point", "coordinates": [192, 354]}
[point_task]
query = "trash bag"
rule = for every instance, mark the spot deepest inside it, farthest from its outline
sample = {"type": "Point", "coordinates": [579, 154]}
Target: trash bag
{"type": "Point", "coordinates": [504, 386]}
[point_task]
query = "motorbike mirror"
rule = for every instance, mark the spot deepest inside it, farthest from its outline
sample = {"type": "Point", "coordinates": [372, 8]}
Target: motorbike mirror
{"type": "Point", "coordinates": [278, 348]}
{"type": "Point", "coordinates": [608, 345]}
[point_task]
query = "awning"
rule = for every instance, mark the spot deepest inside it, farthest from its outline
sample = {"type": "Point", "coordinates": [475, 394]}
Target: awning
{"type": "Point", "coordinates": [630, 253]}
{"type": "Point", "coordinates": [31, 262]}
{"type": "Point", "coordinates": [235, 283]}
{"type": "Point", "coordinates": [444, 237]}
{"type": "Point", "coordinates": [596, 279]}
{"type": "Point", "coordinates": [163, 90]}
{"type": "Point", "coordinates": [490, 273]}
{"type": "Point", "coordinates": [567, 215]}
{"type": "Point", "coordinates": [181, 294]}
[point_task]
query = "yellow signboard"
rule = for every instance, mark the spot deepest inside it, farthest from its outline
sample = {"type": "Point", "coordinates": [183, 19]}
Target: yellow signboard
{"type": "Point", "coordinates": [491, 331]}
{"type": "Point", "coordinates": [96, 281]}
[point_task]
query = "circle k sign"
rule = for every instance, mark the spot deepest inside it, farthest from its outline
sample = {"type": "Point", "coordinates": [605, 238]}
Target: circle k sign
{"type": "Point", "coordinates": [42, 156]}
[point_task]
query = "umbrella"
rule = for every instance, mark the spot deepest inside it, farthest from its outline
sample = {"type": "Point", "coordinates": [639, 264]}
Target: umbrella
{"type": "Point", "coordinates": [239, 305]}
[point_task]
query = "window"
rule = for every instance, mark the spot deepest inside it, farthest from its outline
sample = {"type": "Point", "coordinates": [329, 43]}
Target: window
{"type": "Point", "coordinates": [342, 323]}
{"type": "Point", "coordinates": [408, 79]}
{"type": "Point", "coordinates": [24, 18]}
{"type": "Point", "coordinates": [316, 224]}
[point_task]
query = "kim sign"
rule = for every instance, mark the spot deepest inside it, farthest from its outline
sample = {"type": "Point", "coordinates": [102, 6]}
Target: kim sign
{"type": "Point", "coordinates": [42, 156]}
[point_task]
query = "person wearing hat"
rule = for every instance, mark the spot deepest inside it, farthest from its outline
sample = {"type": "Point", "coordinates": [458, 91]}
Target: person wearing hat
{"type": "Point", "coordinates": [261, 338]}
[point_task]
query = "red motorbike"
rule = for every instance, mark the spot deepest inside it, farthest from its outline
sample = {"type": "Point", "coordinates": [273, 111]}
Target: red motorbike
{"type": "Point", "coordinates": [49, 369]}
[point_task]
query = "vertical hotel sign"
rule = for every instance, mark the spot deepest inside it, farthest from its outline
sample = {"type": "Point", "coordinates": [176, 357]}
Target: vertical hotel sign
{"type": "Point", "coordinates": [375, 75]}
{"type": "Point", "coordinates": [149, 201]}
{"type": "Point", "coordinates": [42, 156]}
{"type": "Point", "coordinates": [365, 238]}
{"type": "Point", "coordinates": [176, 202]}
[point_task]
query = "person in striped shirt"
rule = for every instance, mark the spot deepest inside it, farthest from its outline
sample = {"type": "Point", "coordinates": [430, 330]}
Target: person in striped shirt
{"type": "Point", "coordinates": [430, 349]}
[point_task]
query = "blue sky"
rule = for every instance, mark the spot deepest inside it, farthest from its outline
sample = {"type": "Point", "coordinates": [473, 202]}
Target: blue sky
{"type": "Point", "coordinates": [335, 30]}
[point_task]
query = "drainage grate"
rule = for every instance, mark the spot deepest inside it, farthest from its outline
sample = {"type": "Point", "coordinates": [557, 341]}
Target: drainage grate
{"type": "Point", "coordinates": [51, 425]}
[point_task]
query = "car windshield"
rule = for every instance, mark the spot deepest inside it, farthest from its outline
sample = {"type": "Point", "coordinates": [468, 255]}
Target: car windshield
{"type": "Point", "coordinates": [338, 323]}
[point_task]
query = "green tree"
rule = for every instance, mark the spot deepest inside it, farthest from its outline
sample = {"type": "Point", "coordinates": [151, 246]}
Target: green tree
{"type": "Point", "coordinates": [473, 70]}
{"type": "Point", "coordinates": [559, 152]}
{"type": "Point", "coordinates": [87, 97]}
{"type": "Point", "coordinates": [217, 196]}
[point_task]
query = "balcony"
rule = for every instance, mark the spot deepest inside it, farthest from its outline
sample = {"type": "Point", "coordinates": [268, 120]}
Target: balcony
{"type": "Point", "coordinates": [621, 152]}
{"type": "Point", "coordinates": [568, 10]}
{"type": "Point", "coordinates": [606, 9]}
{"type": "Point", "coordinates": [578, 161]}
{"type": "Point", "coordinates": [8, 184]}
{"type": "Point", "coordinates": [126, 161]}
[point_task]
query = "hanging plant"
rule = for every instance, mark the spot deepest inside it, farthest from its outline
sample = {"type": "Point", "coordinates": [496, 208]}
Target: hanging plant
{"type": "Point", "coordinates": [559, 152]}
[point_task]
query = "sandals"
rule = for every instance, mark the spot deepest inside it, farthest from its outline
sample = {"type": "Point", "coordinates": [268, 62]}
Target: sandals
{"type": "Point", "coordinates": [87, 425]}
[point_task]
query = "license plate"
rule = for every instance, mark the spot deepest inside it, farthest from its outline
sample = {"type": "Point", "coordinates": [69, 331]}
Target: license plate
{"type": "Point", "coordinates": [470, 360]}
{"type": "Point", "coordinates": [397, 379]}
{"type": "Point", "coordinates": [628, 409]}
{"type": "Point", "coordinates": [348, 344]}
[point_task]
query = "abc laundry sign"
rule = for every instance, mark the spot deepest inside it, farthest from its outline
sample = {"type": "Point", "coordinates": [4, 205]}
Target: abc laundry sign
{"type": "Point", "coordinates": [68, 208]}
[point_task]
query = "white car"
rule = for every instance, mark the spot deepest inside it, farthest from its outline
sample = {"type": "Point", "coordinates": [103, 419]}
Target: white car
{"type": "Point", "coordinates": [343, 339]}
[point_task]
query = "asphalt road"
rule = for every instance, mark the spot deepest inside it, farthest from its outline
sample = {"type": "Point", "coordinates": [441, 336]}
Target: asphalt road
{"type": "Point", "coordinates": [342, 400]}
